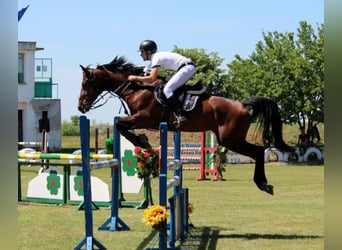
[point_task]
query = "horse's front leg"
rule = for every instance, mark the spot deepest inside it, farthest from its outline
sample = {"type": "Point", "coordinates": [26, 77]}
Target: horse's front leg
{"type": "Point", "coordinates": [140, 140]}
{"type": "Point", "coordinates": [125, 126]}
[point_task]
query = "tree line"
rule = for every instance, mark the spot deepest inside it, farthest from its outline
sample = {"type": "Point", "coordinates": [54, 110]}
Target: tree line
{"type": "Point", "coordinates": [286, 67]}
{"type": "Point", "coordinates": [72, 127]}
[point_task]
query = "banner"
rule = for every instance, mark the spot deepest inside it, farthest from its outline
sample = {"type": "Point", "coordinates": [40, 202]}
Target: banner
{"type": "Point", "coordinates": [21, 12]}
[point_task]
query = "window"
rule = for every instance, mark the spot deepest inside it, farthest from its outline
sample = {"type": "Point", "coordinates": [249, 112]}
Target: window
{"type": "Point", "coordinates": [41, 68]}
{"type": "Point", "coordinates": [20, 68]}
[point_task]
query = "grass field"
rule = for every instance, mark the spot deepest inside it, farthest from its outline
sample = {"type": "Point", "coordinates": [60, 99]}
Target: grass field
{"type": "Point", "coordinates": [231, 214]}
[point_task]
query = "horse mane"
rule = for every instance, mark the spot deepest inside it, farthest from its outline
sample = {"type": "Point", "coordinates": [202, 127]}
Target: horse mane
{"type": "Point", "coordinates": [120, 65]}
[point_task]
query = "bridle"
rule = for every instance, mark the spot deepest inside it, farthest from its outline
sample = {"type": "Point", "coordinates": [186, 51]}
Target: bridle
{"type": "Point", "coordinates": [104, 96]}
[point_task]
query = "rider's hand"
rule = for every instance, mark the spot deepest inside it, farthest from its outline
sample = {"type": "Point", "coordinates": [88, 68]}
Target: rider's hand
{"type": "Point", "coordinates": [132, 78]}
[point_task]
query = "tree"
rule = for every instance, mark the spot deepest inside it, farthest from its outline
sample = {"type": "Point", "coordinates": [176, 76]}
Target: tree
{"type": "Point", "coordinates": [71, 128]}
{"type": "Point", "coordinates": [207, 68]}
{"type": "Point", "coordinates": [289, 71]}
{"type": "Point", "coordinates": [75, 120]}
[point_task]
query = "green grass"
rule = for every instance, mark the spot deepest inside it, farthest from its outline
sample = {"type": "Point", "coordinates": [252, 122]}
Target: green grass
{"type": "Point", "coordinates": [231, 214]}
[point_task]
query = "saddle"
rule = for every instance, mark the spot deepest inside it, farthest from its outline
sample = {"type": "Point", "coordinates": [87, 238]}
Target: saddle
{"type": "Point", "coordinates": [188, 95]}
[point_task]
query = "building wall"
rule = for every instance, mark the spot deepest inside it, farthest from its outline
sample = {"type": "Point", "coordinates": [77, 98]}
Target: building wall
{"type": "Point", "coordinates": [32, 107]}
{"type": "Point", "coordinates": [26, 89]}
{"type": "Point", "coordinates": [53, 107]}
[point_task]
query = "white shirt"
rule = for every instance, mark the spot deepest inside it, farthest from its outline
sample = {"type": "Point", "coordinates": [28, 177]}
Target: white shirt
{"type": "Point", "coordinates": [168, 60]}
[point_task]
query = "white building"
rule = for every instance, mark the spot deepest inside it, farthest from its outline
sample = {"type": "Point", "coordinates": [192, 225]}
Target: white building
{"type": "Point", "coordinates": [35, 98]}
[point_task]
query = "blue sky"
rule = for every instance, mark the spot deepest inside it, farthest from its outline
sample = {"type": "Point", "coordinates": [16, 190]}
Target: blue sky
{"type": "Point", "coordinates": [91, 33]}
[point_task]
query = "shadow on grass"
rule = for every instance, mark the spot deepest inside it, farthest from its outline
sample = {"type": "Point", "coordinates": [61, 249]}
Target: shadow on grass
{"type": "Point", "coordinates": [207, 237]}
{"type": "Point", "coordinates": [147, 241]}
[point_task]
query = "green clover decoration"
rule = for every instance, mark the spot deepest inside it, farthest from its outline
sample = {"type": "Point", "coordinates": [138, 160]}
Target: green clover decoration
{"type": "Point", "coordinates": [53, 182]}
{"type": "Point", "coordinates": [78, 183]}
{"type": "Point", "coordinates": [128, 163]}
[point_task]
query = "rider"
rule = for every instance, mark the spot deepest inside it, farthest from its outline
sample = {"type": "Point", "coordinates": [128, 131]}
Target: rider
{"type": "Point", "coordinates": [183, 67]}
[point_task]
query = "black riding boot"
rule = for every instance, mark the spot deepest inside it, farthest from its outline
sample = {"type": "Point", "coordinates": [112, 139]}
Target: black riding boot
{"type": "Point", "coordinates": [176, 106]}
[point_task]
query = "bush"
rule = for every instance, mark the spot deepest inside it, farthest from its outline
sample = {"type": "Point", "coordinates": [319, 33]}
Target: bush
{"type": "Point", "coordinates": [69, 129]}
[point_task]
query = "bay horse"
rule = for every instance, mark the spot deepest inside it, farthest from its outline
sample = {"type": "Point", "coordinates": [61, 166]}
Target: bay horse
{"type": "Point", "coordinates": [228, 119]}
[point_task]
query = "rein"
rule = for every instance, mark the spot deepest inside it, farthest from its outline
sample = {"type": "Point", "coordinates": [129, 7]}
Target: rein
{"type": "Point", "coordinates": [116, 93]}
{"type": "Point", "coordinates": [101, 96]}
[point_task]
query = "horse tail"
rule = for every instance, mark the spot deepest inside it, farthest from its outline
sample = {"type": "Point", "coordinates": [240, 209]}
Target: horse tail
{"type": "Point", "coordinates": [267, 113]}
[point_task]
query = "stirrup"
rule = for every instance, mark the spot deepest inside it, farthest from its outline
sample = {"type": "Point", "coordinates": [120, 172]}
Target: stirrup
{"type": "Point", "coordinates": [180, 121]}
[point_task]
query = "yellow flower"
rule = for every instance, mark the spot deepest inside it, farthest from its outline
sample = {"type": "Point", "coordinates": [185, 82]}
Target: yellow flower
{"type": "Point", "coordinates": [154, 215]}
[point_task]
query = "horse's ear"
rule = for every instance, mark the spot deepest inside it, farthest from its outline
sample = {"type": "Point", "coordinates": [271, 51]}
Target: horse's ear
{"type": "Point", "coordinates": [86, 71]}
{"type": "Point", "coordinates": [83, 68]}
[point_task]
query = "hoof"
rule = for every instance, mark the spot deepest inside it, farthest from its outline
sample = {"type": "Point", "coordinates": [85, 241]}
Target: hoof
{"type": "Point", "coordinates": [267, 188]}
{"type": "Point", "coordinates": [143, 141]}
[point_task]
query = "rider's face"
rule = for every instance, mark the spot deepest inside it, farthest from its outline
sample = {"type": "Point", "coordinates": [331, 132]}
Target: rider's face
{"type": "Point", "coordinates": [144, 54]}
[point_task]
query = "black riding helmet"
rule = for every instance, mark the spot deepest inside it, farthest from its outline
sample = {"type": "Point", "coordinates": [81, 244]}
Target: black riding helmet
{"type": "Point", "coordinates": [148, 45]}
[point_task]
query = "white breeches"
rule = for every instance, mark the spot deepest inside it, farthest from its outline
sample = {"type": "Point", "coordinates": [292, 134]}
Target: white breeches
{"type": "Point", "coordinates": [179, 79]}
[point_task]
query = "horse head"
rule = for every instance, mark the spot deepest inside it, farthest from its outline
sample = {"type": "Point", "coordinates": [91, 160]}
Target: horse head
{"type": "Point", "coordinates": [91, 88]}
{"type": "Point", "coordinates": [108, 77]}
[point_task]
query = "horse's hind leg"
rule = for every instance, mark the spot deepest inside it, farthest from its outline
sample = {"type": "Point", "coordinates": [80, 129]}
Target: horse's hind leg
{"type": "Point", "coordinates": [256, 153]}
